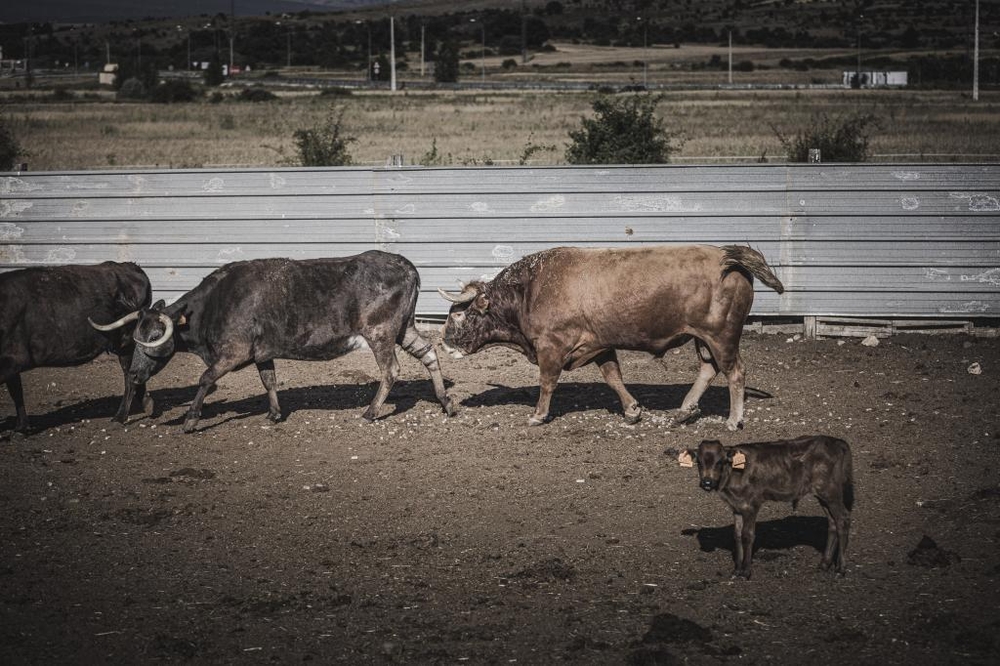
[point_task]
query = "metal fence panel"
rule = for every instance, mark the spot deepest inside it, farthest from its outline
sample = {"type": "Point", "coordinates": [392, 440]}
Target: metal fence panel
{"type": "Point", "coordinates": [876, 240]}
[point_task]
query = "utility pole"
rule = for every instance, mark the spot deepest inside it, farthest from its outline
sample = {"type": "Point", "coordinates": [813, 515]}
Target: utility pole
{"type": "Point", "coordinates": [392, 52]}
{"type": "Point", "coordinates": [975, 59]}
{"type": "Point", "coordinates": [730, 56]}
{"type": "Point", "coordinates": [524, 34]}
{"type": "Point", "coordinates": [422, 50]}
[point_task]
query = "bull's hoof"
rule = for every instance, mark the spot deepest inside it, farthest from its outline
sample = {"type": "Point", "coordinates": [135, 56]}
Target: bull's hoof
{"type": "Point", "coordinates": [190, 424]}
{"type": "Point", "coordinates": [536, 420]}
{"type": "Point", "coordinates": [120, 418]}
{"type": "Point", "coordinates": [450, 408]}
{"type": "Point", "coordinates": [274, 417]}
{"type": "Point", "coordinates": [633, 414]}
{"type": "Point", "coordinates": [687, 416]}
{"type": "Point", "coordinates": [741, 573]}
{"type": "Point", "coordinates": [369, 415]}
{"type": "Point", "coordinates": [733, 426]}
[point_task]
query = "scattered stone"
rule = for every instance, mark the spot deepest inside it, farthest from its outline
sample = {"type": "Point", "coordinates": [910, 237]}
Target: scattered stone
{"type": "Point", "coordinates": [870, 341]}
{"type": "Point", "coordinates": [975, 369]}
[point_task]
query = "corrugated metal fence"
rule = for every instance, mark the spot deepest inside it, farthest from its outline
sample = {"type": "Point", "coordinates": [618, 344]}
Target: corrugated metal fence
{"type": "Point", "coordinates": [847, 240]}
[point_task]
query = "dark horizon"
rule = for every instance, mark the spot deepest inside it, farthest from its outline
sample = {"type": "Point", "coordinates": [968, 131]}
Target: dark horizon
{"type": "Point", "coordinates": [104, 11]}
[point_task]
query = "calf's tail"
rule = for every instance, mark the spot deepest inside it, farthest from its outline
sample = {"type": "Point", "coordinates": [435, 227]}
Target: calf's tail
{"type": "Point", "coordinates": [744, 257]}
{"type": "Point", "coordinates": [848, 476]}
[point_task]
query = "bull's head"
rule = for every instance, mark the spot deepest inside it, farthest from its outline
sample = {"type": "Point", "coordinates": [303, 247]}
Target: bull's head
{"type": "Point", "coordinates": [715, 463]}
{"type": "Point", "coordinates": [154, 337]}
{"type": "Point", "coordinates": [467, 328]}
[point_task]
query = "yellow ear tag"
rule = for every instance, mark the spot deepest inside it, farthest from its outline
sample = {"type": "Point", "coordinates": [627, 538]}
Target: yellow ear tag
{"type": "Point", "coordinates": [685, 460]}
{"type": "Point", "coordinates": [739, 460]}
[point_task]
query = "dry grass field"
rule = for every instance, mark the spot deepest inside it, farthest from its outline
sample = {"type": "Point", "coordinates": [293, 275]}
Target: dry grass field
{"type": "Point", "coordinates": [502, 127]}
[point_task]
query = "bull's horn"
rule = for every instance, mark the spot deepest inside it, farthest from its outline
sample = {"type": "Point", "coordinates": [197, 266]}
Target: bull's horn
{"type": "Point", "coordinates": [466, 296]}
{"type": "Point", "coordinates": [130, 317]}
{"type": "Point", "coordinates": [168, 325]}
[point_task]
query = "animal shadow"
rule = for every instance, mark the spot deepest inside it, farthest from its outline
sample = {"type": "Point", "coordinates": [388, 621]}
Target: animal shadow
{"type": "Point", "coordinates": [570, 397]}
{"type": "Point", "coordinates": [781, 534]}
{"type": "Point", "coordinates": [404, 396]}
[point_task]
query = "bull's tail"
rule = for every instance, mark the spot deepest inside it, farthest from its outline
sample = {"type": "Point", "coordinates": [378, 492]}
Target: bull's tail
{"type": "Point", "coordinates": [744, 257]}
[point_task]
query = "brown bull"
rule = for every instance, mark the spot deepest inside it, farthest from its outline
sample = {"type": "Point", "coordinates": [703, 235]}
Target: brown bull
{"type": "Point", "coordinates": [566, 307]}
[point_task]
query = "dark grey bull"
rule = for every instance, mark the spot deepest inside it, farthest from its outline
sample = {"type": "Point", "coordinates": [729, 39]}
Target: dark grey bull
{"type": "Point", "coordinates": [256, 311]}
{"type": "Point", "coordinates": [748, 475]}
{"type": "Point", "coordinates": [566, 307]}
{"type": "Point", "coordinates": [43, 321]}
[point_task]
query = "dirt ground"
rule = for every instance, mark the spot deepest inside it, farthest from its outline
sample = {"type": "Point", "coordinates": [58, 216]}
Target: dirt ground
{"type": "Point", "coordinates": [476, 539]}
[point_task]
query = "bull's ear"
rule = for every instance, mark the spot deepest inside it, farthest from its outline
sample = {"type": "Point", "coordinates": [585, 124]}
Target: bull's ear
{"type": "Point", "coordinates": [482, 303]}
{"type": "Point", "coordinates": [158, 305]}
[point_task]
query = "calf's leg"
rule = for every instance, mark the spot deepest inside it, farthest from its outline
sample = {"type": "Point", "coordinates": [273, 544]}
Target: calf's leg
{"type": "Point", "coordinates": [416, 346]}
{"type": "Point", "coordinates": [746, 538]}
{"type": "Point", "coordinates": [607, 361]}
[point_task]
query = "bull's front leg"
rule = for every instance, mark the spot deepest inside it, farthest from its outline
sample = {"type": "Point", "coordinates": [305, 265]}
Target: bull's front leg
{"type": "Point", "coordinates": [607, 361]}
{"type": "Point", "coordinates": [205, 384]}
{"type": "Point", "coordinates": [17, 395]}
{"type": "Point", "coordinates": [270, 381]}
{"type": "Point", "coordinates": [550, 367]}
{"type": "Point", "coordinates": [130, 393]}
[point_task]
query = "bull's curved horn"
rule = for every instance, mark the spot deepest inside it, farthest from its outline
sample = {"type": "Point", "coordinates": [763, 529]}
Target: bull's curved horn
{"type": "Point", "coordinates": [130, 317]}
{"type": "Point", "coordinates": [467, 295]}
{"type": "Point", "coordinates": [168, 325]}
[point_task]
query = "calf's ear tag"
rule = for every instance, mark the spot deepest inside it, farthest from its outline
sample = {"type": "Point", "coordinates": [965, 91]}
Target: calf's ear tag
{"type": "Point", "coordinates": [685, 460]}
{"type": "Point", "coordinates": [739, 460]}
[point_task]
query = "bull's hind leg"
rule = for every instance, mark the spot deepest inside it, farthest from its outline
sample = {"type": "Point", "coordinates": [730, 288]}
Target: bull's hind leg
{"type": "Point", "coordinates": [706, 373]}
{"type": "Point", "coordinates": [607, 361]}
{"type": "Point", "coordinates": [416, 346]}
{"type": "Point", "coordinates": [17, 395]}
{"type": "Point", "coordinates": [385, 356]}
{"type": "Point", "coordinates": [270, 382]}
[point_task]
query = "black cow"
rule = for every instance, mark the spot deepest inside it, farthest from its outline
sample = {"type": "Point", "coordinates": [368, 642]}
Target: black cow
{"type": "Point", "coordinates": [566, 307]}
{"type": "Point", "coordinates": [318, 309]}
{"type": "Point", "coordinates": [43, 321]}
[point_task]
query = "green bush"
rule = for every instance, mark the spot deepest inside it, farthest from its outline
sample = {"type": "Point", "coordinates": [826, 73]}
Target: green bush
{"type": "Point", "coordinates": [838, 138]}
{"type": "Point", "coordinates": [624, 131]}
{"type": "Point", "coordinates": [256, 95]}
{"type": "Point", "coordinates": [326, 144]}
{"type": "Point", "coordinates": [132, 89]}
{"type": "Point", "coordinates": [173, 90]}
{"type": "Point", "coordinates": [446, 65]}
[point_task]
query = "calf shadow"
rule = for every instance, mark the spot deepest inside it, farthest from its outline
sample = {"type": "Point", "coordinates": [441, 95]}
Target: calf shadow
{"type": "Point", "coordinates": [570, 397]}
{"type": "Point", "coordinates": [780, 534]}
{"type": "Point", "coordinates": [404, 396]}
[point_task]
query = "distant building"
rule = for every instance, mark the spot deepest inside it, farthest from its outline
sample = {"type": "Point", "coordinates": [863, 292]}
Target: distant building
{"type": "Point", "coordinates": [109, 75]}
{"type": "Point", "coordinates": [872, 79]}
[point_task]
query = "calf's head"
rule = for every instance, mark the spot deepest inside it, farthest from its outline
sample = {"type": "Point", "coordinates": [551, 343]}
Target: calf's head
{"type": "Point", "coordinates": [715, 462]}
{"type": "Point", "coordinates": [471, 323]}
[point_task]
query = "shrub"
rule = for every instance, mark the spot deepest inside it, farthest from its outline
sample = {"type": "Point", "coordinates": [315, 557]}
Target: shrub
{"type": "Point", "coordinates": [132, 89]}
{"type": "Point", "coordinates": [256, 95]}
{"type": "Point", "coordinates": [509, 64]}
{"type": "Point", "coordinates": [324, 145]}
{"type": "Point", "coordinates": [839, 138]}
{"type": "Point", "coordinates": [173, 90]}
{"type": "Point", "coordinates": [213, 74]}
{"type": "Point", "coordinates": [624, 131]}
{"type": "Point", "coordinates": [446, 65]}
{"type": "Point", "coordinates": [336, 91]}
{"type": "Point", "coordinates": [9, 147]}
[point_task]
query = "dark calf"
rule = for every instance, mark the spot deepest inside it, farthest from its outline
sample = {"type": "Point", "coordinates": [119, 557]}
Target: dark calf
{"type": "Point", "coordinates": [748, 475]}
